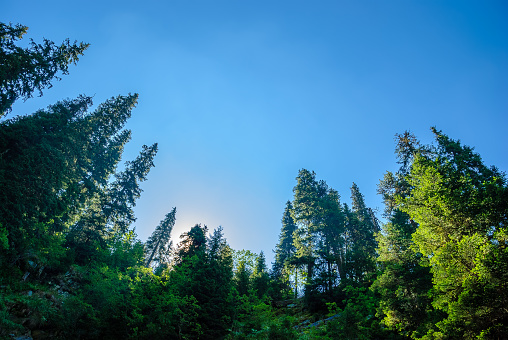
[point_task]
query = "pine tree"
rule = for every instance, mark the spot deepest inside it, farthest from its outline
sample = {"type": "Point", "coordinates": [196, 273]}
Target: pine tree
{"type": "Point", "coordinates": [361, 229]}
{"type": "Point", "coordinates": [204, 270]}
{"type": "Point", "coordinates": [260, 277]}
{"type": "Point", "coordinates": [109, 213]}
{"type": "Point", "coordinates": [404, 285]}
{"type": "Point", "coordinates": [242, 279]}
{"type": "Point", "coordinates": [331, 245]}
{"type": "Point", "coordinates": [158, 245]}
{"type": "Point", "coordinates": [26, 70]}
{"type": "Point", "coordinates": [218, 309]}
{"type": "Point", "coordinates": [125, 190]}
{"type": "Point", "coordinates": [284, 251]}
{"type": "Point", "coordinates": [56, 165]}
{"type": "Point", "coordinates": [461, 207]}
{"type": "Point", "coordinates": [306, 206]}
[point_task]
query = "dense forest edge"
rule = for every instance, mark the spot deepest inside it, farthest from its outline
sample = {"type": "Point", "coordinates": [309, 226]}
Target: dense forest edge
{"type": "Point", "coordinates": [72, 267]}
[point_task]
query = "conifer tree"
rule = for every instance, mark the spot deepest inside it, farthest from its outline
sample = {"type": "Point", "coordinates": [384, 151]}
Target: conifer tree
{"type": "Point", "coordinates": [331, 243]}
{"type": "Point", "coordinates": [26, 70]}
{"type": "Point", "coordinates": [242, 279]}
{"type": "Point", "coordinates": [56, 164]}
{"type": "Point", "coordinates": [306, 206]}
{"type": "Point", "coordinates": [109, 212]}
{"type": "Point", "coordinates": [461, 207]}
{"type": "Point", "coordinates": [158, 245]}
{"type": "Point", "coordinates": [285, 250]}
{"type": "Point", "coordinates": [204, 270]}
{"type": "Point", "coordinates": [260, 277]}
{"type": "Point", "coordinates": [218, 309]}
{"type": "Point", "coordinates": [404, 285]}
{"type": "Point", "coordinates": [125, 190]}
{"type": "Point", "coordinates": [361, 228]}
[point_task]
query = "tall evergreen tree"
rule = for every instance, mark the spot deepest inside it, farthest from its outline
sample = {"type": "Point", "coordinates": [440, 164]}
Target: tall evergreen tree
{"type": "Point", "coordinates": [331, 242]}
{"type": "Point", "coordinates": [242, 278]}
{"type": "Point", "coordinates": [56, 165]}
{"type": "Point", "coordinates": [26, 70]}
{"type": "Point", "coordinates": [158, 245]}
{"type": "Point", "coordinates": [123, 193]}
{"type": "Point", "coordinates": [284, 251]}
{"type": "Point", "coordinates": [204, 271]}
{"type": "Point", "coordinates": [218, 310]}
{"type": "Point", "coordinates": [404, 285]}
{"type": "Point", "coordinates": [306, 207]}
{"type": "Point", "coordinates": [260, 277]}
{"type": "Point", "coordinates": [109, 212]}
{"type": "Point", "coordinates": [461, 207]}
{"type": "Point", "coordinates": [361, 229]}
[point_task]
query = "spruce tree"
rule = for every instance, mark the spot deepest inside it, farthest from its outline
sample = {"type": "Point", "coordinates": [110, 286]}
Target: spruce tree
{"type": "Point", "coordinates": [24, 71]}
{"type": "Point", "coordinates": [284, 251]}
{"type": "Point", "coordinates": [158, 245]}
{"type": "Point", "coordinates": [404, 285]}
{"type": "Point", "coordinates": [361, 228]}
{"type": "Point", "coordinates": [306, 206]}
{"type": "Point", "coordinates": [260, 277]}
{"type": "Point", "coordinates": [204, 270]}
{"type": "Point", "coordinates": [331, 244]}
{"type": "Point", "coordinates": [56, 167]}
{"type": "Point", "coordinates": [461, 207]}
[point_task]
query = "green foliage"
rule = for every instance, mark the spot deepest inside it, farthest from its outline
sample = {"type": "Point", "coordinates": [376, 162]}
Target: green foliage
{"type": "Point", "coordinates": [4, 240]}
{"type": "Point", "coordinates": [260, 277]}
{"type": "Point", "coordinates": [203, 270]}
{"type": "Point", "coordinates": [72, 267]}
{"type": "Point", "coordinates": [125, 251]}
{"type": "Point", "coordinates": [333, 245]}
{"type": "Point", "coordinates": [355, 321]}
{"type": "Point", "coordinates": [361, 244]}
{"type": "Point", "coordinates": [403, 286]}
{"type": "Point", "coordinates": [158, 245]}
{"type": "Point", "coordinates": [285, 251]}
{"type": "Point", "coordinates": [282, 329]}
{"type": "Point", "coordinates": [461, 207]}
{"type": "Point", "coordinates": [242, 276]}
{"type": "Point", "coordinates": [57, 166]}
{"type": "Point", "coordinates": [26, 70]}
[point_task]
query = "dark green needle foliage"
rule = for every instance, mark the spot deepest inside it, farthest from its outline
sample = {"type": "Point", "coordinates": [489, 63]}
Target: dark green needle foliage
{"type": "Point", "coordinates": [260, 276]}
{"type": "Point", "coordinates": [361, 231]}
{"type": "Point", "coordinates": [285, 250]}
{"type": "Point", "coordinates": [404, 284]}
{"type": "Point", "coordinates": [203, 271]}
{"type": "Point", "coordinates": [461, 207]}
{"type": "Point", "coordinates": [158, 245]}
{"type": "Point", "coordinates": [71, 266]}
{"type": "Point", "coordinates": [27, 70]}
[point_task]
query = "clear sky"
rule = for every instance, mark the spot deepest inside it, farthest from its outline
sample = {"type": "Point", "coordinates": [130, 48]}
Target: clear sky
{"type": "Point", "coordinates": [240, 95]}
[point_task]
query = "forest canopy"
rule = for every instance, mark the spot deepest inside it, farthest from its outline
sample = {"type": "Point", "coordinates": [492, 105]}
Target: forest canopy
{"type": "Point", "coordinates": [72, 267]}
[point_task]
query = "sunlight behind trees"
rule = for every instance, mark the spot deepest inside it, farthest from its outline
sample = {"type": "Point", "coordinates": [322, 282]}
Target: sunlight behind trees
{"type": "Point", "coordinates": [72, 267]}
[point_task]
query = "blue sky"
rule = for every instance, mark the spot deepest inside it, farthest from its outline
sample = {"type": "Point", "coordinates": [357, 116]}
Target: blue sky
{"type": "Point", "coordinates": [240, 95]}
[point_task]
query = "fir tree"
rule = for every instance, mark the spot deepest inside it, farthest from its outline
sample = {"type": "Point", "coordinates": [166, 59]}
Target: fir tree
{"type": "Point", "coordinates": [285, 251]}
{"type": "Point", "coordinates": [158, 245]}
{"type": "Point", "coordinates": [26, 70]}
{"type": "Point", "coordinates": [461, 207]}
{"type": "Point", "coordinates": [404, 285]}
{"type": "Point", "coordinates": [260, 277]}
{"type": "Point", "coordinates": [361, 229]}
